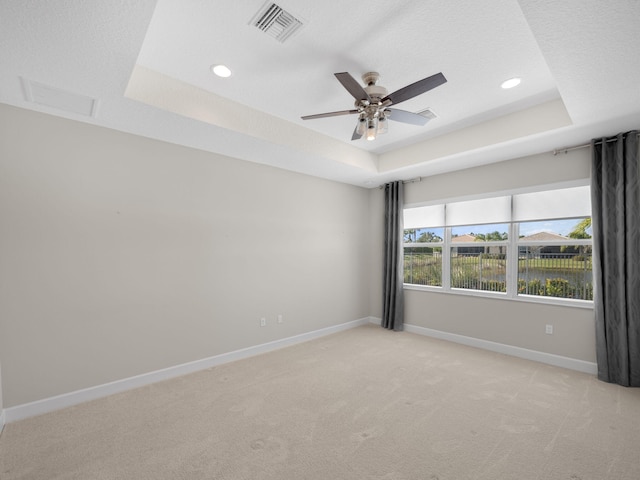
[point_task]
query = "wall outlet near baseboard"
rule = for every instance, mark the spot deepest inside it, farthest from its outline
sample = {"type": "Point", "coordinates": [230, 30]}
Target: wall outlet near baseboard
{"type": "Point", "coordinates": [548, 329]}
{"type": "Point", "coordinates": [263, 322]}
{"type": "Point", "coordinates": [280, 319]}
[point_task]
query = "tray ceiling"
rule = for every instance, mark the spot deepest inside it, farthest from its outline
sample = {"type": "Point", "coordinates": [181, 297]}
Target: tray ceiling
{"type": "Point", "coordinates": [146, 65]}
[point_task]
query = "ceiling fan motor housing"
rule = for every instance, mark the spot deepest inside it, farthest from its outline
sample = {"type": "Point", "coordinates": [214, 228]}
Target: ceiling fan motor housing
{"type": "Point", "coordinates": [376, 92]}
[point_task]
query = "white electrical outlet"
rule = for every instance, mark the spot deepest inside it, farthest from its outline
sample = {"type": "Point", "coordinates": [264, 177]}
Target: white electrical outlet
{"type": "Point", "coordinates": [548, 329]}
{"type": "Point", "coordinates": [280, 319]}
{"type": "Point", "coordinates": [263, 322]}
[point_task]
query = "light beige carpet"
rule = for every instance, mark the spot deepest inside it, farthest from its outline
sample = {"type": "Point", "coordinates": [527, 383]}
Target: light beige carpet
{"type": "Point", "coordinates": [362, 404]}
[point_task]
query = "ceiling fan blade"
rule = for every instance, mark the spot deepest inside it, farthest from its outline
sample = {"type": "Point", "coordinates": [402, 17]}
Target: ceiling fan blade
{"type": "Point", "coordinates": [356, 135]}
{"type": "Point", "coordinates": [415, 89]}
{"type": "Point", "coordinates": [406, 117]}
{"type": "Point", "coordinates": [329, 114]}
{"type": "Point", "coordinates": [352, 86]}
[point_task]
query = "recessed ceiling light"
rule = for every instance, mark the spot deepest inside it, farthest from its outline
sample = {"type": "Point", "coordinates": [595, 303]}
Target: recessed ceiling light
{"type": "Point", "coordinates": [512, 82]}
{"type": "Point", "coordinates": [221, 70]}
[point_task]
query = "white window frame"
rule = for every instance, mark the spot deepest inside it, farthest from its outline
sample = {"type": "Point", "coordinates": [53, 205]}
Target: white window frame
{"type": "Point", "coordinates": [512, 247]}
{"type": "Point", "coordinates": [429, 245]}
{"type": "Point", "coordinates": [536, 298]}
{"type": "Point", "coordinates": [480, 243]}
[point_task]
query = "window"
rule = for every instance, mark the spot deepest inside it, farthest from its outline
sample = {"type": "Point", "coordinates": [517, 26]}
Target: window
{"type": "Point", "coordinates": [478, 257]}
{"type": "Point", "coordinates": [423, 246]}
{"type": "Point", "coordinates": [423, 256]}
{"type": "Point", "coordinates": [554, 259]}
{"type": "Point", "coordinates": [531, 245]}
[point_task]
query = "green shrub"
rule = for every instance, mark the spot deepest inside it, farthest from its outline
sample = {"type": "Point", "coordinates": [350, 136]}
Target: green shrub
{"type": "Point", "coordinates": [557, 287]}
{"type": "Point", "coordinates": [534, 287]}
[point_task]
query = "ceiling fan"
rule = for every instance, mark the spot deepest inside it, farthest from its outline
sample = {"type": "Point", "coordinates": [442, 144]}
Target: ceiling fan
{"type": "Point", "coordinates": [373, 102]}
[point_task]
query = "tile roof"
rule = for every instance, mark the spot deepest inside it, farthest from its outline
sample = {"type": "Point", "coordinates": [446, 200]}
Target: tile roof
{"type": "Point", "coordinates": [544, 237]}
{"type": "Point", "coordinates": [463, 238]}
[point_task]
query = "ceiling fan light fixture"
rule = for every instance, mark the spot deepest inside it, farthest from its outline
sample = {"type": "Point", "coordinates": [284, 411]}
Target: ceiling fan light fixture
{"type": "Point", "coordinates": [383, 125]}
{"type": "Point", "coordinates": [362, 126]}
{"type": "Point", "coordinates": [372, 128]}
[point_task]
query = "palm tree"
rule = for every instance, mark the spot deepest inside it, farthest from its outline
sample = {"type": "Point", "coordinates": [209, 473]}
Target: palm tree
{"type": "Point", "coordinates": [410, 235]}
{"type": "Point", "coordinates": [429, 237]}
{"type": "Point", "coordinates": [580, 232]}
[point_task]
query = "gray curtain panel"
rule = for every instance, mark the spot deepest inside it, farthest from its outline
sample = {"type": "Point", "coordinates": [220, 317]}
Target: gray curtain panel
{"type": "Point", "coordinates": [615, 198]}
{"type": "Point", "coordinates": [393, 310]}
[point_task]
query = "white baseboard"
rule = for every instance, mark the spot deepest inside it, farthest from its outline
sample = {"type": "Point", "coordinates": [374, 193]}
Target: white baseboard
{"type": "Point", "coordinates": [542, 357]}
{"type": "Point", "coordinates": [19, 412]}
{"type": "Point", "coordinates": [58, 402]}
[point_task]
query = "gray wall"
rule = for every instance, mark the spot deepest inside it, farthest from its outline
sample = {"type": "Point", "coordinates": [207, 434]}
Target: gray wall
{"type": "Point", "coordinates": [516, 323]}
{"type": "Point", "coordinates": [122, 255]}
{"type": "Point", "coordinates": [1, 402]}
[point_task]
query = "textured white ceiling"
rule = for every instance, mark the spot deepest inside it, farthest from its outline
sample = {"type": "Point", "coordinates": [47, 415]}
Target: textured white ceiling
{"type": "Point", "coordinates": [147, 64]}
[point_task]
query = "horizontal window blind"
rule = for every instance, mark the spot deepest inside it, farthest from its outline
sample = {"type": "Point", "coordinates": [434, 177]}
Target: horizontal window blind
{"type": "Point", "coordinates": [564, 203]}
{"type": "Point", "coordinates": [431, 216]}
{"type": "Point", "coordinates": [486, 210]}
{"type": "Point", "coordinates": [571, 202]}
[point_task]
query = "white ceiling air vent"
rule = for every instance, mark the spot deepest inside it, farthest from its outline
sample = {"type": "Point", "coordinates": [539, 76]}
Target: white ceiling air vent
{"type": "Point", "coordinates": [276, 22]}
{"type": "Point", "coordinates": [59, 99]}
{"type": "Point", "coordinates": [428, 113]}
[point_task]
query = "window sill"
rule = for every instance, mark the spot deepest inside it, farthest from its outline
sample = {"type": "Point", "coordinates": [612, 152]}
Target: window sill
{"type": "Point", "coordinates": [563, 302]}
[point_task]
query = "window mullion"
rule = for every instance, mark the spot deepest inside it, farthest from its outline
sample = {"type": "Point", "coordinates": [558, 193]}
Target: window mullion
{"type": "Point", "coordinates": [446, 260]}
{"type": "Point", "coordinates": [512, 261]}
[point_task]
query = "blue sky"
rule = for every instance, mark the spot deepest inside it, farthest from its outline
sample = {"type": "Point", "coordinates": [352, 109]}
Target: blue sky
{"type": "Point", "coordinates": [561, 227]}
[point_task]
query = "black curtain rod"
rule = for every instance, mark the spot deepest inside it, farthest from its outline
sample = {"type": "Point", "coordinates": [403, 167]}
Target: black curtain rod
{"type": "Point", "coordinates": [412, 180]}
{"type": "Point", "coordinates": [555, 152]}
{"type": "Point", "coordinates": [578, 147]}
